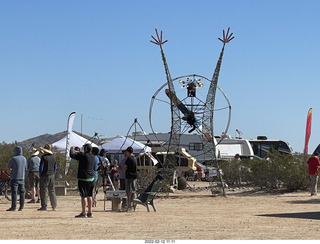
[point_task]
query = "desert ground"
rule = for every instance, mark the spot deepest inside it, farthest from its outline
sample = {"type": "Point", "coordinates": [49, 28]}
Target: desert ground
{"type": "Point", "coordinates": [191, 214]}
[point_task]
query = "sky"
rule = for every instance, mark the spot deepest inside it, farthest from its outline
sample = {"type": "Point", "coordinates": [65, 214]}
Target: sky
{"type": "Point", "coordinates": [95, 58]}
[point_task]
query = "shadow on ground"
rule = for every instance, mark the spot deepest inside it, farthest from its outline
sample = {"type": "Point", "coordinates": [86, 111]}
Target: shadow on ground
{"type": "Point", "coordinates": [308, 201]}
{"type": "Point", "coordinates": [303, 215]}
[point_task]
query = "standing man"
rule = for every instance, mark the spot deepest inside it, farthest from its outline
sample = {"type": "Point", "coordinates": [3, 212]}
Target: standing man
{"type": "Point", "coordinates": [122, 178]}
{"type": "Point", "coordinates": [33, 175]}
{"type": "Point", "coordinates": [131, 177]}
{"type": "Point", "coordinates": [85, 178]}
{"type": "Point", "coordinates": [313, 163]}
{"type": "Point", "coordinates": [18, 165]}
{"type": "Point", "coordinates": [95, 153]}
{"type": "Point", "coordinates": [47, 171]}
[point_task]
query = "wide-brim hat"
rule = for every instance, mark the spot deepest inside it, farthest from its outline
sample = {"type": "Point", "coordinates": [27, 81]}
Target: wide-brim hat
{"type": "Point", "coordinates": [46, 149]}
{"type": "Point", "coordinates": [34, 152]}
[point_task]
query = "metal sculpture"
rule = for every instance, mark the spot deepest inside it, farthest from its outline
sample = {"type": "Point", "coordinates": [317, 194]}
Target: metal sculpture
{"type": "Point", "coordinates": [207, 121]}
{"type": "Point", "coordinates": [199, 116]}
{"type": "Point", "coordinates": [175, 117]}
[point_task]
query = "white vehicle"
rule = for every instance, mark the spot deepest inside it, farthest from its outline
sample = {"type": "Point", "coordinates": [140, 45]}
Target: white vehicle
{"type": "Point", "coordinates": [227, 147]}
{"type": "Point", "coordinates": [262, 145]}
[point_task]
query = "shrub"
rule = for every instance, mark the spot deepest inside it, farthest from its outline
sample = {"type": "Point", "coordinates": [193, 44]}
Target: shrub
{"type": "Point", "coordinates": [235, 172]}
{"type": "Point", "coordinates": [6, 153]}
{"type": "Point", "coordinates": [278, 171]}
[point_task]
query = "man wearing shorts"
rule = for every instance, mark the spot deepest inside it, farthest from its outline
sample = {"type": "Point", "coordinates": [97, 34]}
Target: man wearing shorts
{"type": "Point", "coordinates": [85, 177]}
{"type": "Point", "coordinates": [34, 178]}
{"type": "Point", "coordinates": [131, 177]}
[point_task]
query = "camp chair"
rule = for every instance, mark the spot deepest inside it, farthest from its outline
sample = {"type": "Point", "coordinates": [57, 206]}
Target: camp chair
{"type": "Point", "coordinates": [149, 194]}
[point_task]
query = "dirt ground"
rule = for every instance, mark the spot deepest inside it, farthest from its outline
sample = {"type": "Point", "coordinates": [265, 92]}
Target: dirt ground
{"type": "Point", "coordinates": [185, 215]}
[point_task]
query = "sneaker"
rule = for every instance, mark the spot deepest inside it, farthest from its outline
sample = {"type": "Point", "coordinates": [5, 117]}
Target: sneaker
{"type": "Point", "coordinates": [81, 215]}
{"type": "Point", "coordinates": [20, 209]}
{"type": "Point", "coordinates": [11, 209]}
{"type": "Point", "coordinates": [42, 209]}
{"type": "Point", "coordinates": [54, 209]}
{"type": "Point", "coordinates": [38, 201]}
{"type": "Point", "coordinates": [32, 201]}
{"type": "Point", "coordinates": [89, 215]}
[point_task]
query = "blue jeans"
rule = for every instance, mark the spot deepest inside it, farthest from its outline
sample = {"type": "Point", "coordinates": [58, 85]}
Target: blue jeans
{"type": "Point", "coordinates": [15, 186]}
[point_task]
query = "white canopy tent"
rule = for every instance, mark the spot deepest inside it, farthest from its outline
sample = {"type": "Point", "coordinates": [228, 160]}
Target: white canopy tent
{"type": "Point", "coordinates": [75, 140]}
{"type": "Point", "coordinates": [118, 144]}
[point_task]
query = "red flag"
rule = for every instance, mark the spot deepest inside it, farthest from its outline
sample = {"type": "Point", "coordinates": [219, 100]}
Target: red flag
{"type": "Point", "coordinates": [239, 132]}
{"type": "Point", "coordinates": [308, 131]}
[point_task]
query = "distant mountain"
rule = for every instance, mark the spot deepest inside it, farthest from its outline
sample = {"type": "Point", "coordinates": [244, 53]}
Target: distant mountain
{"type": "Point", "coordinates": [40, 141]}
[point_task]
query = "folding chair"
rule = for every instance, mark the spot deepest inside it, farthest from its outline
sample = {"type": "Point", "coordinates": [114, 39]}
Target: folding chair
{"type": "Point", "coordinates": [149, 194]}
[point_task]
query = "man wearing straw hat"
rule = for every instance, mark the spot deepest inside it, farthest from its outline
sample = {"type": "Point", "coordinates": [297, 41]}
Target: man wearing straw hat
{"type": "Point", "coordinates": [47, 170]}
{"type": "Point", "coordinates": [33, 167]}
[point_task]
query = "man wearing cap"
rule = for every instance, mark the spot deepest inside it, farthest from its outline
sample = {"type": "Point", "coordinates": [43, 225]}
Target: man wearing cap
{"type": "Point", "coordinates": [18, 165]}
{"type": "Point", "coordinates": [85, 178]}
{"type": "Point", "coordinates": [47, 171]}
{"type": "Point", "coordinates": [33, 168]}
{"type": "Point", "coordinates": [131, 176]}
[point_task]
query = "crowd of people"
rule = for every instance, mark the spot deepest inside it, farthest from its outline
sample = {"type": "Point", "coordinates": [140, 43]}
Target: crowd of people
{"type": "Point", "coordinates": [41, 177]}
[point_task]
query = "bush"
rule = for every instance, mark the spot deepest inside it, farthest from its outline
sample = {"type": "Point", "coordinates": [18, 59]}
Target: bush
{"type": "Point", "coordinates": [235, 172]}
{"type": "Point", "coordinates": [6, 153]}
{"type": "Point", "coordinates": [278, 171]}
{"type": "Point", "coordinates": [269, 173]}
{"type": "Point", "coordinates": [296, 175]}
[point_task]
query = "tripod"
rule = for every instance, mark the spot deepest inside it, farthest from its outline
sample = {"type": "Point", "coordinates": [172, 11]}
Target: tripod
{"type": "Point", "coordinates": [105, 182]}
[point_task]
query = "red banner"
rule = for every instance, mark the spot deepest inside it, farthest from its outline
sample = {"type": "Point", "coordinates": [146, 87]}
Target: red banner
{"type": "Point", "coordinates": [308, 131]}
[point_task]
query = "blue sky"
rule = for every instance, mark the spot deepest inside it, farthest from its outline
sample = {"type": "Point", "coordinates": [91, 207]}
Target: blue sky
{"type": "Point", "coordinates": [95, 58]}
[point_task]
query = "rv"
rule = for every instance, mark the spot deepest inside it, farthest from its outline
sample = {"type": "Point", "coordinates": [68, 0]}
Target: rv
{"type": "Point", "coordinates": [262, 145]}
{"type": "Point", "coordinates": [226, 146]}
{"type": "Point", "coordinates": [229, 147]}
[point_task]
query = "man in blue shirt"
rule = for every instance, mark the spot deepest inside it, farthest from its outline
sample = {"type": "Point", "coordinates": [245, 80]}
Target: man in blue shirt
{"type": "Point", "coordinates": [18, 165]}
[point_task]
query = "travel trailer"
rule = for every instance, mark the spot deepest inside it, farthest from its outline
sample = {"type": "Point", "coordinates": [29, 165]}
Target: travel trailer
{"type": "Point", "coordinates": [228, 147]}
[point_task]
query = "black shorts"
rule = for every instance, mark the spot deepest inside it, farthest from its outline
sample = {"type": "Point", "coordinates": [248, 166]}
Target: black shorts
{"type": "Point", "coordinates": [85, 188]}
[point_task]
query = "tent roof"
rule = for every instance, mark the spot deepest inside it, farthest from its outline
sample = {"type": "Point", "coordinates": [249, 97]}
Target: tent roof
{"type": "Point", "coordinates": [75, 140]}
{"type": "Point", "coordinates": [118, 144]}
